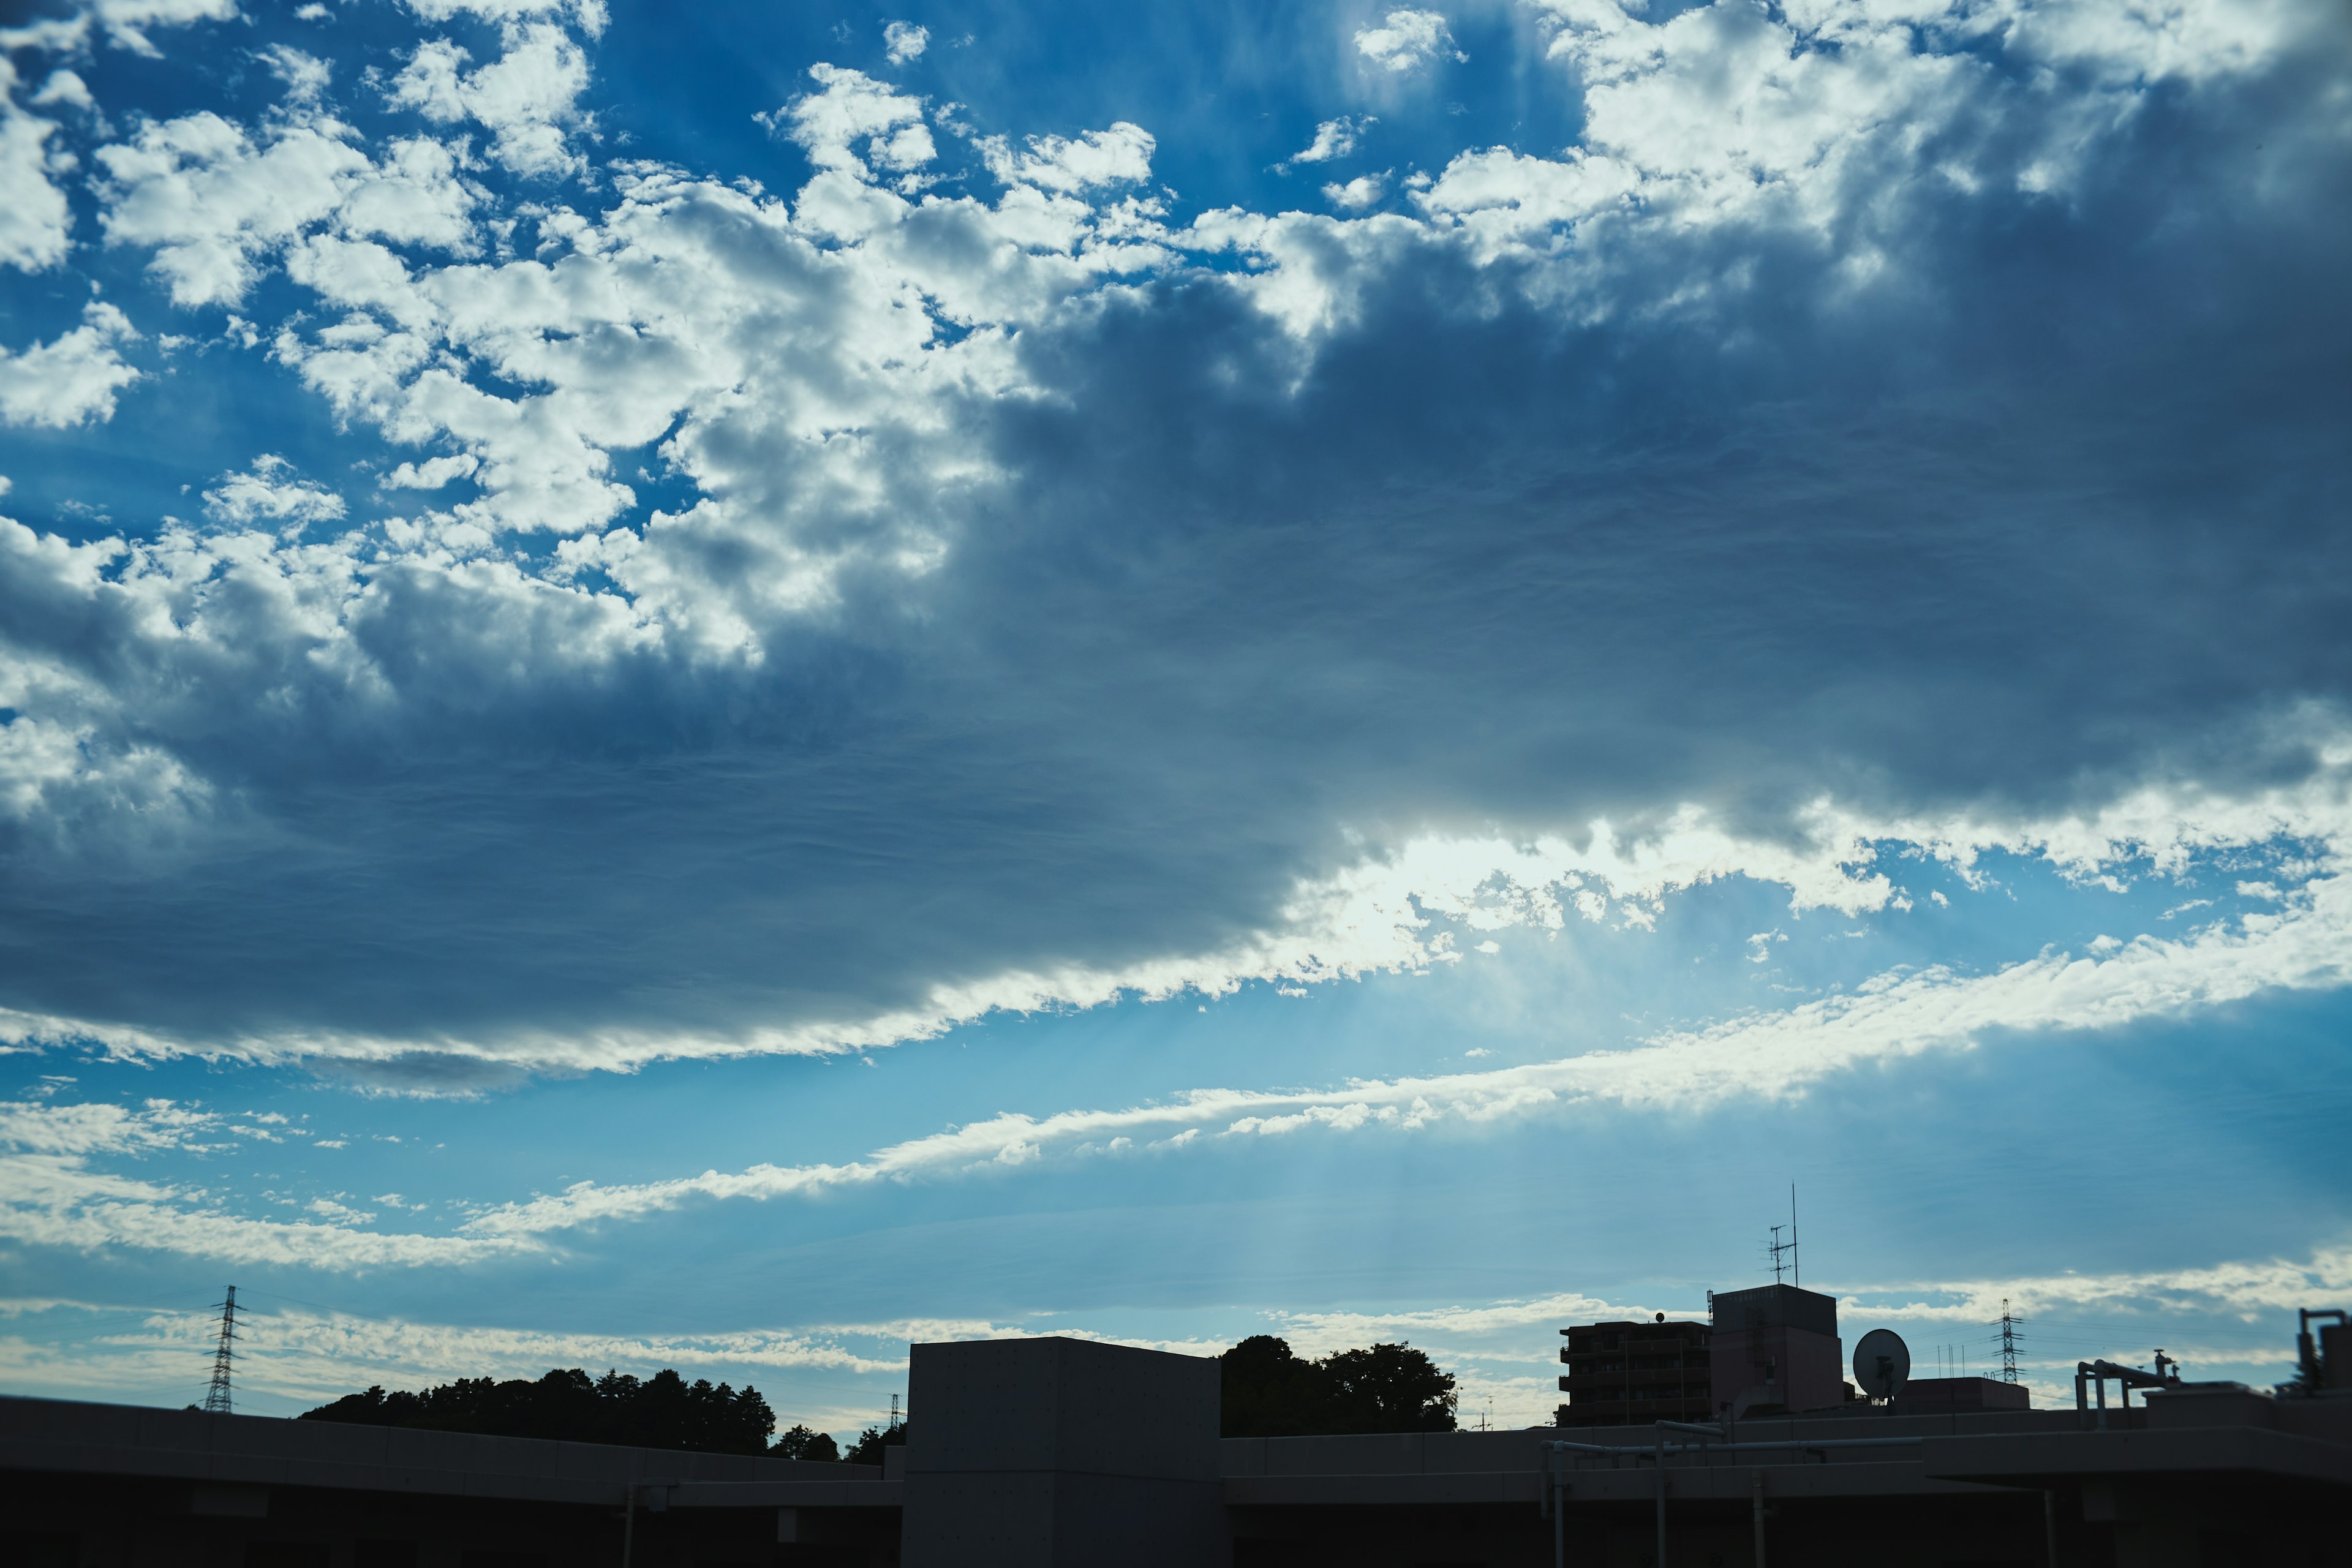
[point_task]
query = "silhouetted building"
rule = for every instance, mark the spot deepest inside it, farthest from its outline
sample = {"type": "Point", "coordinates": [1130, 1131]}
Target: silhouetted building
{"type": "Point", "coordinates": [1775, 1349]}
{"type": "Point", "coordinates": [1070, 1454]}
{"type": "Point", "coordinates": [1929, 1395]}
{"type": "Point", "coordinates": [1621, 1373]}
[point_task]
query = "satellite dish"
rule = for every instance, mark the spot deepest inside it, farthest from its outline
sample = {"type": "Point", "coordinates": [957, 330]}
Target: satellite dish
{"type": "Point", "coordinates": [1882, 1363]}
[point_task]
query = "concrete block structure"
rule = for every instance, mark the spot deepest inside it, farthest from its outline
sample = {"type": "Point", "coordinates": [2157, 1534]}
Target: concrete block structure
{"type": "Point", "coordinates": [1058, 1453]}
{"type": "Point", "coordinates": [1927, 1396]}
{"type": "Point", "coordinates": [1774, 1348]}
{"type": "Point", "coordinates": [1629, 1371]}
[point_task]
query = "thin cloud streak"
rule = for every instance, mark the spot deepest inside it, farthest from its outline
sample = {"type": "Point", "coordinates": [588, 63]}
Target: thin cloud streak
{"type": "Point", "coordinates": [1896, 1015]}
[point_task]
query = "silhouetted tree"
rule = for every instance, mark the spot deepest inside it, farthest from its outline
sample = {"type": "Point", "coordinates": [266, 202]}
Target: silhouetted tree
{"type": "Point", "coordinates": [867, 1450]}
{"type": "Point", "coordinates": [800, 1443]}
{"type": "Point", "coordinates": [1388, 1388]}
{"type": "Point", "coordinates": [663, 1411]}
{"type": "Point", "coordinates": [1269, 1391]}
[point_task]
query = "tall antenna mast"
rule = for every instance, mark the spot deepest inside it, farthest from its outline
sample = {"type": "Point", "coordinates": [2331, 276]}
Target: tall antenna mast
{"type": "Point", "coordinates": [2008, 1343]}
{"type": "Point", "coordinates": [1777, 1248]}
{"type": "Point", "coordinates": [216, 1400]}
{"type": "Point", "coordinates": [1797, 1274]}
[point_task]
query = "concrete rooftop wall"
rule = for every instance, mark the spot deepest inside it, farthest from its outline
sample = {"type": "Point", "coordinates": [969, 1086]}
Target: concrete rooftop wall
{"type": "Point", "coordinates": [1055, 1453]}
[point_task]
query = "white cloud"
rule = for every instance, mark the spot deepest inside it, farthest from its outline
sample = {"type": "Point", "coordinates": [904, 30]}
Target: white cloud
{"type": "Point", "coordinates": [588, 15]}
{"type": "Point", "coordinates": [59, 35]}
{"type": "Point", "coordinates": [903, 41]}
{"type": "Point", "coordinates": [431, 474]}
{"type": "Point", "coordinates": [1732, 113]}
{"type": "Point", "coordinates": [73, 376]}
{"type": "Point", "coordinates": [57, 1203]}
{"type": "Point", "coordinates": [1333, 139]}
{"type": "Point", "coordinates": [271, 493]}
{"type": "Point", "coordinates": [96, 1128]}
{"type": "Point", "coordinates": [1363, 191]}
{"type": "Point", "coordinates": [35, 221]}
{"type": "Point", "coordinates": [65, 87]}
{"type": "Point", "coordinates": [2243, 1290]}
{"type": "Point", "coordinates": [213, 205]}
{"type": "Point", "coordinates": [527, 99]}
{"type": "Point", "coordinates": [1119, 155]}
{"type": "Point", "coordinates": [306, 76]}
{"type": "Point", "coordinates": [127, 21]}
{"type": "Point", "coordinates": [51, 1196]}
{"type": "Point", "coordinates": [1407, 40]}
{"type": "Point", "coordinates": [412, 196]}
{"type": "Point", "coordinates": [854, 107]}
{"type": "Point", "coordinates": [208, 201]}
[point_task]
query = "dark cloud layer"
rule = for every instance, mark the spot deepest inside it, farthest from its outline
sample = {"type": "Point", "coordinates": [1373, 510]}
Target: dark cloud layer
{"type": "Point", "coordinates": [2055, 506]}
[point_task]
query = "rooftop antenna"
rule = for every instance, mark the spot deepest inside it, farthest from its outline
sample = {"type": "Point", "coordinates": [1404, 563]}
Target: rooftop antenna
{"type": "Point", "coordinates": [1777, 1247]}
{"type": "Point", "coordinates": [2008, 1343]}
{"type": "Point", "coordinates": [1796, 1274]}
{"type": "Point", "coordinates": [217, 1398]}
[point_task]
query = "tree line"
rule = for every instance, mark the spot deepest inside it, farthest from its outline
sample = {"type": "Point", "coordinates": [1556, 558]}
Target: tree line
{"type": "Point", "coordinates": [1269, 1391]}
{"type": "Point", "coordinates": [663, 1411]}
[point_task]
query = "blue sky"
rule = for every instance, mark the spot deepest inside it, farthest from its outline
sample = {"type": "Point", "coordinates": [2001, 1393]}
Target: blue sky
{"type": "Point", "coordinates": [722, 687]}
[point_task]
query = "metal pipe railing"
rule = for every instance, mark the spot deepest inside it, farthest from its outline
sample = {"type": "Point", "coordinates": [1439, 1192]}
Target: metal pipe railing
{"type": "Point", "coordinates": [2097, 1374]}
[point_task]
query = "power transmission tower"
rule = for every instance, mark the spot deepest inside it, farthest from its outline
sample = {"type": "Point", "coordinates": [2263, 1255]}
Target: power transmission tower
{"type": "Point", "coordinates": [2008, 1343]}
{"type": "Point", "coordinates": [217, 1399]}
{"type": "Point", "coordinates": [895, 1414]}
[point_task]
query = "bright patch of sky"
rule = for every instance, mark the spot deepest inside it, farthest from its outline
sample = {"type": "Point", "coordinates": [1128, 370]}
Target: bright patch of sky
{"type": "Point", "coordinates": [1021, 670]}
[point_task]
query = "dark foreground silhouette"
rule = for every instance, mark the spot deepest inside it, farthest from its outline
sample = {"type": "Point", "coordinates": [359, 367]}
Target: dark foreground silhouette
{"type": "Point", "coordinates": [1268, 1392]}
{"type": "Point", "coordinates": [1271, 1393]}
{"type": "Point", "coordinates": [663, 1411]}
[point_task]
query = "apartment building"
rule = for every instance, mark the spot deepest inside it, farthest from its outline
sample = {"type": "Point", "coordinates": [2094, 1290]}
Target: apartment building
{"type": "Point", "coordinates": [1623, 1373]}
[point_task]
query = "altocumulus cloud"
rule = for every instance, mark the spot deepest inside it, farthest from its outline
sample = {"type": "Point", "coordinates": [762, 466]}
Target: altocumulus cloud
{"type": "Point", "coordinates": [1871, 432]}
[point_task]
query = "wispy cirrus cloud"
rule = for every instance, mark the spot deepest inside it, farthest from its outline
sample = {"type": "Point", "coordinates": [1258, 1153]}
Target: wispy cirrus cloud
{"type": "Point", "coordinates": [54, 1192]}
{"type": "Point", "coordinates": [1769, 1054]}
